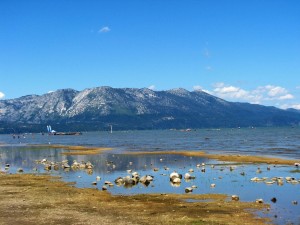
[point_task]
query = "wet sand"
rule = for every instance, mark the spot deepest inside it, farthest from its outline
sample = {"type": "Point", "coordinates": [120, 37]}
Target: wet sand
{"type": "Point", "coordinates": [82, 150]}
{"type": "Point", "coordinates": [76, 150]}
{"type": "Point", "coordinates": [220, 157]}
{"type": "Point", "coordinates": [42, 199]}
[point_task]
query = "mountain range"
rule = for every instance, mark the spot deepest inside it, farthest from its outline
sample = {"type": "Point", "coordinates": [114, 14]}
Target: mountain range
{"type": "Point", "coordinates": [132, 108]}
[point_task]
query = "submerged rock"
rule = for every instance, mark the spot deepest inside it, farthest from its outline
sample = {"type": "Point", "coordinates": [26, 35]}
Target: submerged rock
{"type": "Point", "coordinates": [274, 200]}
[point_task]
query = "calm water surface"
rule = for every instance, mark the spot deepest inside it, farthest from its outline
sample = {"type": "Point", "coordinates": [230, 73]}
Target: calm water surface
{"type": "Point", "coordinates": [276, 142]}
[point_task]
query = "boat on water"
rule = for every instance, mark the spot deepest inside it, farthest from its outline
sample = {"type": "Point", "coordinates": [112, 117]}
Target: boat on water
{"type": "Point", "coordinates": [67, 133]}
{"type": "Point", "coordinates": [53, 132]}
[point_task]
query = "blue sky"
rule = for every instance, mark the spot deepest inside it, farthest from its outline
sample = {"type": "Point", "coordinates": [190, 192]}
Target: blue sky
{"type": "Point", "coordinates": [247, 51]}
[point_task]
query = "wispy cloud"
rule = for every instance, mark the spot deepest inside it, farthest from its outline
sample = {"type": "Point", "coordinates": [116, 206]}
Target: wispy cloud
{"type": "Point", "coordinates": [208, 68]}
{"type": "Point", "coordinates": [206, 53]}
{"type": "Point", "coordinates": [2, 95]}
{"type": "Point", "coordinates": [151, 87]}
{"type": "Point", "coordinates": [104, 29]}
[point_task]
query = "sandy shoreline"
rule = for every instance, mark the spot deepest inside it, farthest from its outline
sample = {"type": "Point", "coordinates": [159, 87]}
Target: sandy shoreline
{"type": "Point", "coordinates": [82, 150]}
{"type": "Point", "coordinates": [42, 199]}
{"type": "Point", "coordinates": [220, 157]}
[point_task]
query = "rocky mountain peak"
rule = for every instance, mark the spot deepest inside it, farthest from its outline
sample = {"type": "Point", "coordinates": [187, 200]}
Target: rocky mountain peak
{"type": "Point", "coordinates": [135, 108]}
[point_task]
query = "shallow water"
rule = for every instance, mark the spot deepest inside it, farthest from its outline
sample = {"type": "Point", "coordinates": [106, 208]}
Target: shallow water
{"type": "Point", "coordinates": [277, 142]}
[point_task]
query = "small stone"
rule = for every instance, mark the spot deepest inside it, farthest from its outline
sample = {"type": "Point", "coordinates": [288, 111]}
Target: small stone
{"type": "Point", "coordinates": [104, 188]}
{"type": "Point", "coordinates": [235, 198]}
{"type": "Point", "coordinates": [191, 170]}
{"type": "Point", "coordinates": [188, 189]}
{"type": "Point", "coordinates": [260, 200]}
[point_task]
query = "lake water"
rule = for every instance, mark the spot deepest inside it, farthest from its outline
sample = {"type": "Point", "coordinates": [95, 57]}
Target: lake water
{"type": "Point", "coordinates": [275, 142]}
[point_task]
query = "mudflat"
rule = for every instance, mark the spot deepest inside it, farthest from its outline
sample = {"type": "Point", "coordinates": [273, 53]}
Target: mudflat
{"type": "Point", "coordinates": [43, 199]}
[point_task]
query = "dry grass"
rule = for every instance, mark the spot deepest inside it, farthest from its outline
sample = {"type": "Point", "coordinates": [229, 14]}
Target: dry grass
{"type": "Point", "coordinates": [220, 157]}
{"type": "Point", "coordinates": [32, 199]}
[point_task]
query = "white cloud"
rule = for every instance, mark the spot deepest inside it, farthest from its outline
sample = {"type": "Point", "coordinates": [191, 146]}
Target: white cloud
{"type": "Point", "coordinates": [285, 97]}
{"type": "Point", "coordinates": [151, 87]}
{"type": "Point", "coordinates": [274, 91]}
{"type": "Point", "coordinates": [104, 30]}
{"type": "Point", "coordinates": [288, 106]}
{"type": "Point", "coordinates": [2, 95]}
{"type": "Point", "coordinates": [231, 92]}
{"type": "Point", "coordinates": [297, 106]}
{"type": "Point", "coordinates": [263, 94]}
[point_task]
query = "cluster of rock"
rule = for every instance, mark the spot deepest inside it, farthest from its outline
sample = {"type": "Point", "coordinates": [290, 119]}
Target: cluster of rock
{"type": "Point", "coordinates": [129, 181]}
{"type": "Point", "coordinates": [66, 166]}
{"type": "Point", "coordinates": [134, 178]}
{"type": "Point", "coordinates": [276, 180]}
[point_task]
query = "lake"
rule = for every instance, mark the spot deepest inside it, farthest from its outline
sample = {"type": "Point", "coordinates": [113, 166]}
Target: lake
{"type": "Point", "coordinates": [228, 178]}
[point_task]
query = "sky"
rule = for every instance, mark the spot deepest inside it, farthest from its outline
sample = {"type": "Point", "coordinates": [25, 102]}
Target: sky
{"type": "Point", "coordinates": [241, 51]}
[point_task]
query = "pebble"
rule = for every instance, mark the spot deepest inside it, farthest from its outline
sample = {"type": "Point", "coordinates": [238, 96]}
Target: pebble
{"type": "Point", "coordinates": [188, 189]}
{"type": "Point", "coordinates": [235, 198]}
{"type": "Point", "coordinates": [104, 188]}
{"type": "Point", "coordinates": [260, 200]}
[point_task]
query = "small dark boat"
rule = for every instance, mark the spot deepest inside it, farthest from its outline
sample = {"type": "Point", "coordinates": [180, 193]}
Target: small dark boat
{"type": "Point", "coordinates": [67, 133]}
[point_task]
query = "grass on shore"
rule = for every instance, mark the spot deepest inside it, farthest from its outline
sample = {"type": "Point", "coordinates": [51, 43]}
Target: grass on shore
{"type": "Point", "coordinates": [42, 199]}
